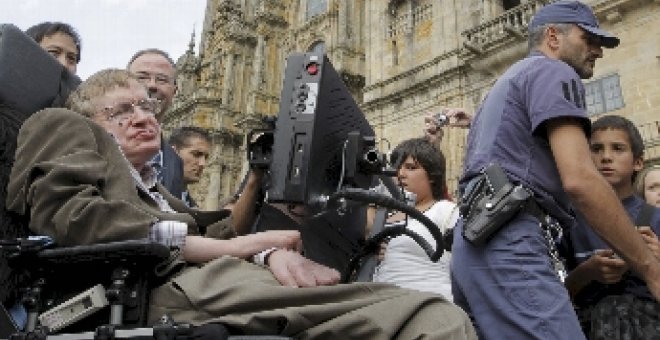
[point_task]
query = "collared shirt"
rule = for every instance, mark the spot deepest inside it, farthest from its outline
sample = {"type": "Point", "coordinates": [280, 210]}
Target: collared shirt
{"type": "Point", "coordinates": [169, 233]}
{"type": "Point", "coordinates": [188, 200]}
{"type": "Point", "coordinates": [157, 164]}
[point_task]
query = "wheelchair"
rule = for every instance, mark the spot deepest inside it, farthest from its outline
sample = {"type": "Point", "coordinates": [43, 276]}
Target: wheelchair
{"type": "Point", "coordinates": [69, 293]}
{"type": "Point", "coordinates": [123, 276]}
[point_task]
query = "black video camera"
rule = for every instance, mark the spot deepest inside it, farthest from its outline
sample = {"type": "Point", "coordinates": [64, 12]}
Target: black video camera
{"type": "Point", "coordinates": [260, 145]}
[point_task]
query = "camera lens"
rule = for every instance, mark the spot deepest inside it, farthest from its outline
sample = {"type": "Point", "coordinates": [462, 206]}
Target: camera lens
{"type": "Point", "coordinates": [441, 119]}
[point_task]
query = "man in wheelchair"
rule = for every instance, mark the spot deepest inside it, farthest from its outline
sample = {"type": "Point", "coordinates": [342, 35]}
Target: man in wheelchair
{"type": "Point", "coordinates": [82, 177]}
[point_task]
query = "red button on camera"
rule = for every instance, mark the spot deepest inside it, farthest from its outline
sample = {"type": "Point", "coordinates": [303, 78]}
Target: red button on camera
{"type": "Point", "coordinates": [312, 68]}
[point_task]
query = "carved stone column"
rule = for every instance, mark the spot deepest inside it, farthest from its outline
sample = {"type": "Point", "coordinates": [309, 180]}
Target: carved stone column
{"type": "Point", "coordinates": [343, 22]}
{"type": "Point", "coordinates": [228, 79]}
{"type": "Point", "coordinates": [212, 200]}
{"type": "Point", "coordinates": [257, 74]}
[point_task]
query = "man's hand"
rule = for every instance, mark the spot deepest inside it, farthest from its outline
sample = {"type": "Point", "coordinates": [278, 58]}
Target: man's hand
{"type": "Point", "coordinates": [292, 269]}
{"type": "Point", "coordinates": [605, 267]}
{"type": "Point", "coordinates": [432, 131]}
{"type": "Point", "coordinates": [651, 240]}
{"type": "Point", "coordinates": [456, 117]}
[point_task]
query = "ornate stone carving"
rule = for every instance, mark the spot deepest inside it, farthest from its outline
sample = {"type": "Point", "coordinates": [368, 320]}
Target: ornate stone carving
{"type": "Point", "coordinates": [352, 81]}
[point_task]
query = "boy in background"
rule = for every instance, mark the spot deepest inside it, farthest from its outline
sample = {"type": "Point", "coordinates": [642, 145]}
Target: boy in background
{"type": "Point", "coordinates": [599, 278]}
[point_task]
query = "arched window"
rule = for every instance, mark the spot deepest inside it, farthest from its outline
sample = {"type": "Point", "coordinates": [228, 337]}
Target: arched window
{"type": "Point", "coordinates": [509, 4]}
{"type": "Point", "coordinates": [316, 7]}
{"type": "Point", "coordinates": [317, 47]}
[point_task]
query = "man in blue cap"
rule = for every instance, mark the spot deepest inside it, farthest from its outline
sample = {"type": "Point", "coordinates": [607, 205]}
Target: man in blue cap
{"type": "Point", "coordinates": [533, 126]}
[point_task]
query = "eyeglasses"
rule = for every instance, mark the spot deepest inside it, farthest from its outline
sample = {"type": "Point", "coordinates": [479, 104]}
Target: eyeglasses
{"type": "Point", "coordinates": [159, 78]}
{"type": "Point", "coordinates": [121, 112]}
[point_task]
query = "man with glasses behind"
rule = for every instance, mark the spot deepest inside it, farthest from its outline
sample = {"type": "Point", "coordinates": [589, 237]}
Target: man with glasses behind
{"type": "Point", "coordinates": [156, 70]}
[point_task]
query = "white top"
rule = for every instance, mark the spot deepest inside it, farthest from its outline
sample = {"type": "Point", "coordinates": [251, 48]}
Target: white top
{"type": "Point", "coordinates": [407, 265]}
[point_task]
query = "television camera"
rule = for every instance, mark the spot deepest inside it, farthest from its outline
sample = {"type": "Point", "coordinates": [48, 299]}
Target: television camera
{"type": "Point", "coordinates": [320, 152]}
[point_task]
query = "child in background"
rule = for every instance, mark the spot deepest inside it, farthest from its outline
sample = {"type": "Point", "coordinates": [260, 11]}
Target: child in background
{"type": "Point", "coordinates": [647, 185]}
{"type": "Point", "coordinates": [613, 302]}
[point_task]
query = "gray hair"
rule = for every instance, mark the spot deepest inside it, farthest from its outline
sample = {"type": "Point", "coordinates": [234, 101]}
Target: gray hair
{"type": "Point", "coordinates": [536, 33]}
{"type": "Point", "coordinates": [82, 99]}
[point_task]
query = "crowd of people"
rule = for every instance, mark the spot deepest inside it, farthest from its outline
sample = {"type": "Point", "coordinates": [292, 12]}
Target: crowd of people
{"type": "Point", "coordinates": [577, 258]}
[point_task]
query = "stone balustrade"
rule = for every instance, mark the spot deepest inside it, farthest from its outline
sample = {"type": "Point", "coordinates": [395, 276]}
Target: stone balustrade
{"type": "Point", "coordinates": [512, 23]}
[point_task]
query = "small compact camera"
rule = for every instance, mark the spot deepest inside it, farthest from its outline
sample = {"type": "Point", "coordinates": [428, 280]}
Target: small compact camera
{"type": "Point", "coordinates": [441, 119]}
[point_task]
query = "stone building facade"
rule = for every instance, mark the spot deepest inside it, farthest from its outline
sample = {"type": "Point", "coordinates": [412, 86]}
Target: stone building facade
{"type": "Point", "coordinates": [401, 59]}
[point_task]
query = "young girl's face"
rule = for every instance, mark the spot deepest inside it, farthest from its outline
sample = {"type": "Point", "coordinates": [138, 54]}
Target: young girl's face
{"type": "Point", "coordinates": [652, 187]}
{"type": "Point", "coordinates": [414, 178]}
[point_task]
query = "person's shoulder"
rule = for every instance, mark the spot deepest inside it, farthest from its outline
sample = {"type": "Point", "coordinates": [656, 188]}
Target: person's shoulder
{"type": "Point", "coordinates": [442, 209]}
{"type": "Point", "coordinates": [57, 124]}
{"type": "Point", "coordinates": [540, 65]}
{"type": "Point", "coordinates": [55, 116]}
{"type": "Point", "coordinates": [444, 204]}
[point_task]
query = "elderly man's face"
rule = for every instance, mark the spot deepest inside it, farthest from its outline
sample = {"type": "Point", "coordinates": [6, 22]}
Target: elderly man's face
{"type": "Point", "coordinates": [129, 115]}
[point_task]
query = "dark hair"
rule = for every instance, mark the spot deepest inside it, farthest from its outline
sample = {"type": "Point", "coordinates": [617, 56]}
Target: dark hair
{"type": "Point", "coordinates": [46, 29]}
{"type": "Point", "coordinates": [180, 136]}
{"type": "Point", "coordinates": [151, 51]}
{"type": "Point", "coordinates": [625, 125]}
{"type": "Point", "coordinates": [429, 157]}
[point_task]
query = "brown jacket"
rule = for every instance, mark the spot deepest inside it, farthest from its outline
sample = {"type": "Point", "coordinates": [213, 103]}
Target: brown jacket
{"type": "Point", "coordinates": [72, 179]}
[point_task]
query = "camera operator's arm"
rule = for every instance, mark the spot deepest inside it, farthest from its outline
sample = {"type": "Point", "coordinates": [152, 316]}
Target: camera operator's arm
{"type": "Point", "coordinates": [199, 249]}
{"type": "Point", "coordinates": [244, 211]}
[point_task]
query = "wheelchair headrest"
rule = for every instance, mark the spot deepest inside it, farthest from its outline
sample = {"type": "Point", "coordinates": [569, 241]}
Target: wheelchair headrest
{"type": "Point", "coordinates": [30, 78]}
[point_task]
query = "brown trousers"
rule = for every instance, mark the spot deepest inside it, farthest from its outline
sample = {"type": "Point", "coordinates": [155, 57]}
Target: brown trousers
{"type": "Point", "coordinates": [247, 297]}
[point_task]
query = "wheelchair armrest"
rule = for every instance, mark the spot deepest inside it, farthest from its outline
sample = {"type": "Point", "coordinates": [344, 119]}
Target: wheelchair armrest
{"type": "Point", "coordinates": [38, 253]}
{"type": "Point", "coordinates": [144, 252]}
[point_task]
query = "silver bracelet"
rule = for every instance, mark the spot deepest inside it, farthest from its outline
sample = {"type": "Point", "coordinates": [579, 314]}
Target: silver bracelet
{"type": "Point", "coordinates": [261, 258]}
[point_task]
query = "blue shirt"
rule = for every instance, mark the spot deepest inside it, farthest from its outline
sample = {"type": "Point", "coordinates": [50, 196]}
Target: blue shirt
{"type": "Point", "coordinates": [585, 242]}
{"type": "Point", "coordinates": [509, 128]}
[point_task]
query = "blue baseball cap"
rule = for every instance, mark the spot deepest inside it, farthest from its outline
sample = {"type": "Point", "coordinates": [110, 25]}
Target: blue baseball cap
{"type": "Point", "coordinates": [574, 12]}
